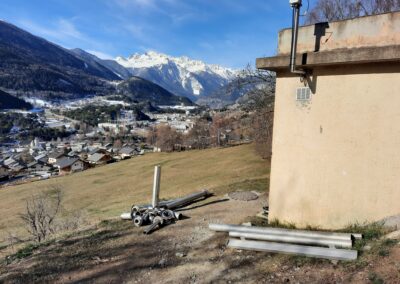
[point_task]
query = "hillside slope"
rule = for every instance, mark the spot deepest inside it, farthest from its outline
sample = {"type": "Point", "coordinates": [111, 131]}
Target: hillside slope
{"type": "Point", "coordinates": [141, 90]}
{"type": "Point", "coordinates": [8, 101]}
{"type": "Point", "coordinates": [107, 191]}
{"type": "Point", "coordinates": [112, 65]}
{"type": "Point", "coordinates": [30, 63]}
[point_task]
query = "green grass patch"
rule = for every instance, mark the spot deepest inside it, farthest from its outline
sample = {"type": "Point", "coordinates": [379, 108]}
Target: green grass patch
{"type": "Point", "coordinates": [369, 231]}
{"type": "Point", "coordinates": [375, 278]}
{"type": "Point", "coordinates": [26, 251]}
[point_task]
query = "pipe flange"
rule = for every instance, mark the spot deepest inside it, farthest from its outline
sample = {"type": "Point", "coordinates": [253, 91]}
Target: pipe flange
{"type": "Point", "coordinates": [168, 214]}
{"type": "Point", "coordinates": [138, 221]}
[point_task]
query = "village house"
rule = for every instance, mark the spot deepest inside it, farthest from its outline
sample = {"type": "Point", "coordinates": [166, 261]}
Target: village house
{"type": "Point", "coordinates": [42, 158]}
{"type": "Point", "coordinates": [77, 147]}
{"type": "Point", "coordinates": [99, 159]}
{"type": "Point", "coordinates": [35, 168]}
{"type": "Point", "coordinates": [336, 134]}
{"type": "Point", "coordinates": [10, 160]}
{"type": "Point", "coordinates": [67, 165]}
{"type": "Point", "coordinates": [54, 156]}
{"type": "Point", "coordinates": [126, 152]}
{"type": "Point", "coordinates": [4, 174]}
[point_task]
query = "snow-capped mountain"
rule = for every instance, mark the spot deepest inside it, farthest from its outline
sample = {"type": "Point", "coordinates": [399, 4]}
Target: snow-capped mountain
{"type": "Point", "coordinates": [179, 75]}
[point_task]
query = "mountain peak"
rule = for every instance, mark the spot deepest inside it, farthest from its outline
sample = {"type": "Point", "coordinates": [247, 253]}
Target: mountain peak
{"type": "Point", "coordinates": [180, 75]}
{"type": "Point", "coordinates": [155, 53]}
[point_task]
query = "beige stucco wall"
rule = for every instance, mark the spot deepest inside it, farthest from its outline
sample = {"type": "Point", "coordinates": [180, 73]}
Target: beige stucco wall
{"type": "Point", "coordinates": [372, 31]}
{"type": "Point", "coordinates": [336, 160]}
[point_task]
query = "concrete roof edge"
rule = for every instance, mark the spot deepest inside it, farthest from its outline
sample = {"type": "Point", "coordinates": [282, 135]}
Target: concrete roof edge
{"type": "Point", "coordinates": [333, 57]}
{"type": "Point", "coordinates": [337, 21]}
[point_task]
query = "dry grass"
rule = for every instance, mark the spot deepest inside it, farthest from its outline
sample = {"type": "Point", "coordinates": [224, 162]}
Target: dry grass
{"type": "Point", "coordinates": [107, 191]}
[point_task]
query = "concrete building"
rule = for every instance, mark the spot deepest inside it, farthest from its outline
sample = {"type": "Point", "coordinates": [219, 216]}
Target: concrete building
{"type": "Point", "coordinates": [336, 140]}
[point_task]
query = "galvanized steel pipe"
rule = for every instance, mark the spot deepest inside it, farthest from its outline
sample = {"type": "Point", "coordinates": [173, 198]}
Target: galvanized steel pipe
{"type": "Point", "coordinates": [338, 254]}
{"type": "Point", "coordinates": [156, 186]}
{"type": "Point", "coordinates": [187, 199]}
{"type": "Point", "coordinates": [293, 239]}
{"type": "Point", "coordinates": [279, 231]}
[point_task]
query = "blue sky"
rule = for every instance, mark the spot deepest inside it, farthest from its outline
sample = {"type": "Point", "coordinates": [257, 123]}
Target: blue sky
{"type": "Point", "coordinates": [227, 32]}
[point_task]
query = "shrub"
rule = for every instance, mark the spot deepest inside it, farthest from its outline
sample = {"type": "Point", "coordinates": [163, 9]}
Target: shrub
{"type": "Point", "coordinates": [40, 213]}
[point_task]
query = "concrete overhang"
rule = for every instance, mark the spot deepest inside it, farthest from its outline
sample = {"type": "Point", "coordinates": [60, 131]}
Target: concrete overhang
{"type": "Point", "coordinates": [309, 60]}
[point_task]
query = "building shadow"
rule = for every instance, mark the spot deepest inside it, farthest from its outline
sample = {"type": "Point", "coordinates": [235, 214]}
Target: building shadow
{"type": "Point", "coordinates": [319, 32]}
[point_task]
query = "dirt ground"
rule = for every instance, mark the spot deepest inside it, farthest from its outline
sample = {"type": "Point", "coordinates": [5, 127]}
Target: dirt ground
{"type": "Point", "coordinates": [187, 252]}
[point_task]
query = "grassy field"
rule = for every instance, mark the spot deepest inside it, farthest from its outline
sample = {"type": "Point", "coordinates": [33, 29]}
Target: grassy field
{"type": "Point", "coordinates": [108, 191]}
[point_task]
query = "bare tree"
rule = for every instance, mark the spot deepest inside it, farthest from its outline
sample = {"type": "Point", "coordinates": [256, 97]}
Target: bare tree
{"type": "Point", "coordinates": [164, 137]}
{"type": "Point", "coordinates": [151, 137]}
{"type": "Point", "coordinates": [218, 126]}
{"type": "Point", "coordinates": [12, 239]}
{"type": "Point", "coordinates": [199, 136]}
{"type": "Point", "coordinates": [260, 104]}
{"type": "Point", "coordinates": [40, 213]}
{"type": "Point", "coordinates": [334, 10]}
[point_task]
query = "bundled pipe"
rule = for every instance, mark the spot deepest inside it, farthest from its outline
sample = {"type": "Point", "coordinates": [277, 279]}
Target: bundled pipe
{"type": "Point", "coordinates": [159, 213]}
{"type": "Point", "coordinates": [170, 204]}
{"type": "Point", "coordinates": [300, 242]}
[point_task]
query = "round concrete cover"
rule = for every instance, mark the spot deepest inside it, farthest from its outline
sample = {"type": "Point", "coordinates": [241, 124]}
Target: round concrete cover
{"type": "Point", "coordinates": [243, 195]}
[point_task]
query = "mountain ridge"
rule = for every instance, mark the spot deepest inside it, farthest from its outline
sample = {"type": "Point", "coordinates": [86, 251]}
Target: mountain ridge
{"type": "Point", "coordinates": [8, 101]}
{"type": "Point", "coordinates": [31, 66]}
{"type": "Point", "coordinates": [138, 89]}
{"type": "Point", "coordinates": [181, 75]}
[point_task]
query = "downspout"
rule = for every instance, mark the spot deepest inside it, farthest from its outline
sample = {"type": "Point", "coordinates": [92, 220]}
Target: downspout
{"type": "Point", "coordinates": [296, 4]}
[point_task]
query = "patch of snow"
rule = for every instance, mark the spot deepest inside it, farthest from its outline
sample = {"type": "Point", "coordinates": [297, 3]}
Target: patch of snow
{"type": "Point", "coordinates": [62, 81]}
{"type": "Point", "coordinates": [152, 58]}
{"type": "Point", "coordinates": [37, 102]}
{"type": "Point", "coordinates": [179, 75]}
{"type": "Point", "coordinates": [118, 75]}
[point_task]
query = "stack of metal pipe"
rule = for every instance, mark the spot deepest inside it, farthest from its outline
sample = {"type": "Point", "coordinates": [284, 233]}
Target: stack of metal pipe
{"type": "Point", "coordinates": [158, 213]}
{"type": "Point", "coordinates": [318, 244]}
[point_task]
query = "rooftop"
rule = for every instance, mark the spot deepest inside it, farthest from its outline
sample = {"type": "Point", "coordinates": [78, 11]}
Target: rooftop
{"type": "Point", "coordinates": [369, 39]}
{"type": "Point", "coordinates": [95, 157]}
{"type": "Point", "coordinates": [66, 162]}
